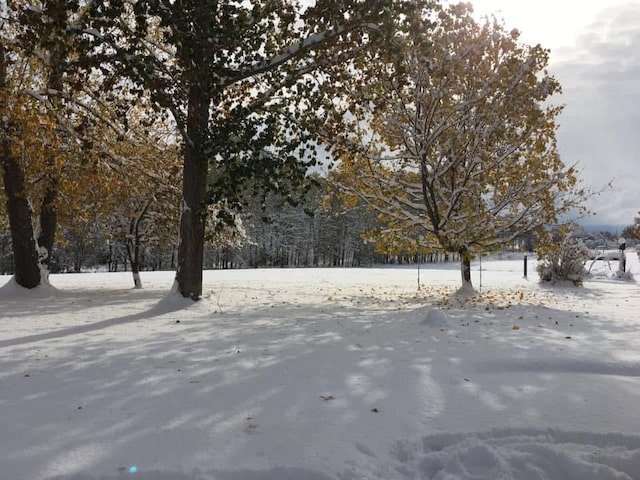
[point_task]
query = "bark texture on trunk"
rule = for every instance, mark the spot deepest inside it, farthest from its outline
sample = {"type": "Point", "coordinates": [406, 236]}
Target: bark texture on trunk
{"type": "Point", "coordinates": [23, 242]}
{"type": "Point", "coordinates": [48, 215]}
{"type": "Point", "coordinates": [48, 224]}
{"type": "Point", "coordinates": [465, 267]}
{"type": "Point", "coordinates": [134, 240]}
{"type": "Point", "coordinates": [194, 188]}
{"type": "Point", "coordinates": [133, 251]}
{"type": "Point", "coordinates": [25, 253]}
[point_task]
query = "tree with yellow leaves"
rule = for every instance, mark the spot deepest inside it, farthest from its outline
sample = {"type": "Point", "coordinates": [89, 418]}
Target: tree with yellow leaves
{"type": "Point", "coordinates": [73, 151]}
{"type": "Point", "coordinates": [453, 142]}
{"type": "Point", "coordinates": [146, 191]}
{"type": "Point", "coordinates": [245, 83]}
{"type": "Point", "coordinates": [25, 134]}
{"type": "Point", "coordinates": [37, 134]}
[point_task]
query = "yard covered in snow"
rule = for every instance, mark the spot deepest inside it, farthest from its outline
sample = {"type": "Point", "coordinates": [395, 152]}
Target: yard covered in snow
{"type": "Point", "coordinates": [322, 374]}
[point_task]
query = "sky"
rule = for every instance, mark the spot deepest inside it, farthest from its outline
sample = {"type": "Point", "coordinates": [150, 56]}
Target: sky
{"type": "Point", "coordinates": [595, 54]}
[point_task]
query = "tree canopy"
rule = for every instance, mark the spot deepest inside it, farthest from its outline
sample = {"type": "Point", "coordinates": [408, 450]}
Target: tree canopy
{"type": "Point", "coordinates": [453, 143]}
{"type": "Point", "coordinates": [244, 83]}
{"type": "Point", "coordinates": [441, 125]}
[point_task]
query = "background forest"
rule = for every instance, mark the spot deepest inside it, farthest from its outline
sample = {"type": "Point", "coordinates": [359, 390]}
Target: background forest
{"type": "Point", "coordinates": [312, 233]}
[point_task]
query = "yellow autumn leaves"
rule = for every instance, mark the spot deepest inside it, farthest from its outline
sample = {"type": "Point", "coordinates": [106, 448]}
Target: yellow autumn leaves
{"type": "Point", "coordinates": [456, 144]}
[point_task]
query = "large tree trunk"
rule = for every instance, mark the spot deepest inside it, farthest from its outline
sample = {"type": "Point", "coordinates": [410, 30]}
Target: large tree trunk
{"type": "Point", "coordinates": [134, 258]}
{"type": "Point", "coordinates": [24, 245]}
{"type": "Point", "coordinates": [194, 189]}
{"type": "Point", "coordinates": [25, 253]}
{"type": "Point", "coordinates": [48, 215]}
{"type": "Point", "coordinates": [48, 222]}
{"type": "Point", "coordinates": [133, 251]}
{"type": "Point", "coordinates": [465, 269]}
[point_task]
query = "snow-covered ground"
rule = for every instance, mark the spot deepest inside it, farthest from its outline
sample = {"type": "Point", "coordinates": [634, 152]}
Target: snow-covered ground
{"type": "Point", "coordinates": [326, 374]}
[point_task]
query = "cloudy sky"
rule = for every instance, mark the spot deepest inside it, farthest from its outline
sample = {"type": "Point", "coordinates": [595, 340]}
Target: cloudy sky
{"type": "Point", "coordinates": [595, 53]}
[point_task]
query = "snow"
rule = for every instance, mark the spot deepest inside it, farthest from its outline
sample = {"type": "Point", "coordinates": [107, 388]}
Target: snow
{"type": "Point", "coordinates": [435, 318]}
{"type": "Point", "coordinates": [321, 374]}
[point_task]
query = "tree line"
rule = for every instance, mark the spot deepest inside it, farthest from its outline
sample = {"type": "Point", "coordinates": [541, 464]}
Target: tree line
{"type": "Point", "coordinates": [308, 234]}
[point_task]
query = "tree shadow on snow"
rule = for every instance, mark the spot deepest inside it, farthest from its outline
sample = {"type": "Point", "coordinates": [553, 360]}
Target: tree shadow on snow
{"type": "Point", "coordinates": [289, 378]}
{"type": "Point", "coordinates": [172, 302]}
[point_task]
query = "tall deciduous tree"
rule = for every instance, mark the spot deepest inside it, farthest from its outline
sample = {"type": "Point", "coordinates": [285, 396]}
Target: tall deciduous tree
{"type": "Point", "coordinates": [244, 82]}
{"type": "Point", "coordinates": [14, 181]}
{"type": "Point", "coordinates": [75, 146]}
{"type": "Point", "coordinates": [145, 193]}
{"type": "Point", "coordinates": [33, 86]}
{"type": "Point", "coordinates": [457, 144]}
{"type": "Point", "coordinates": [54, 51]}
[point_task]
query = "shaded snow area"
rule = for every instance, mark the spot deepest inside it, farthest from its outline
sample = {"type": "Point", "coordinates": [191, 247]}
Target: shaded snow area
{"type": "Point", "coordinates": [324, 374]}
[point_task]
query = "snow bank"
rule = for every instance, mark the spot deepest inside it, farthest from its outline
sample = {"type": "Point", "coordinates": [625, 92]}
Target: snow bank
{"type": "Point", "coordinates": [520, 455]}
{"type": "Point", "coordinates": [523, 454]}
{"type": "Point", "coordinates": [11, 290]}
{"type": "Point", "coordinates": [436, 319]}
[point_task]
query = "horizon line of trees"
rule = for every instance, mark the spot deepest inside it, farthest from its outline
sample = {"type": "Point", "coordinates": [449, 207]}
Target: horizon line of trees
{"type": "Point", "coordinates": [303, 235]}
{"type": "Point", "coordinates": [313, 233]}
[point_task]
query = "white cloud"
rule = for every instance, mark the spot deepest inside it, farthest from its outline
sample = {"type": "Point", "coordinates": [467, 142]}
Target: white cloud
{"type": "Point", "coordinates": [600, 127]}
{"type": "Point", "coordinates": [595, 53]}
